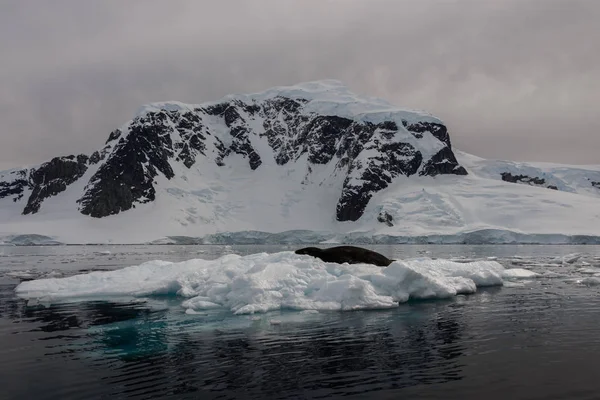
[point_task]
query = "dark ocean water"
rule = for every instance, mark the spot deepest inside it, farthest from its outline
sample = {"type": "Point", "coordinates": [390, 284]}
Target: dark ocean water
{"type": "Point", "coordinates": [539, 339]}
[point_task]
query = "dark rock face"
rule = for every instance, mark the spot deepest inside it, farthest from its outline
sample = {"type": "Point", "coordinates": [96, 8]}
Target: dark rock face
{"type": "Point", "coordinates": [322, 136]}
{"type": "Point", "coordinates": [508, 177]}
{"type": "Point", "coordinates": [189, 127]}
{"type": "Point", "coordinates": [283, 127]}
{"type": "Point", "coordinates": [114, 135]}
{"type": "Point", "coordinates": [528, 180]}
{"type": "Point", "coordinates": [95, 158]}
{"type": "Point", "coordinates": [392, 159]}
{"type": "Point", "coordinates": [127, 175]}
{"type": "Point", "coordinates": [52, 178]}
{"type": "Point", "coordinates": [374, 175]}
{"type": "Point", "coordinates": [241, 141]}
{"type": "Point", "coordinates": [14, 187]}
{"type": "Point", "coordinates": [385, 218]}
{"type": "Point", "coordinates": [239, 130]}
{"type": "Point", "coordinates": [437, 130]}
{"type": "Point", "coordinates": [369, 155]}
{"type": "Point", "coordinates": [443, 162]}
{"type": "Point", "coordinates": [596, 184]}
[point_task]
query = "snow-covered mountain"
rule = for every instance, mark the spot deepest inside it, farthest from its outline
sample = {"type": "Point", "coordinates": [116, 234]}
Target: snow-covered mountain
{"type": "Point", "coordinates": [306, 162]}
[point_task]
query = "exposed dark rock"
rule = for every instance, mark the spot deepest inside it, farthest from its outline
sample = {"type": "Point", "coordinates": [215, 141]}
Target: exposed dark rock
{"type": "Point", "coordinates": [389, 125]}
{"type": "Point", "coordinates": [239, 131]}
{"type": "Point", "coordinates": [241, 142]}
{"type": "Point", "coordinates": [385, 218]}
{"type": "Point", "coordinates": [231, 117]}
{"type": "Point", "coordinates": [14, 187]}
{"type": "Point", "coordinates": [437, 130]}
{"type": "Point", "coordinates": [95, 158]}
{"type": "Point", "coordinates": [190, 128]}
{"type": "Point", "coordinates": [283, 126]}
{"type": "Point", "coordinates": [528, 180]}
{"type": "Point", "coordinates": [596, 184]}
{"type": "Point", "coordinates": [127, 175]}
{"type": "Point", "coordinates": [217, 109]}
{"type": "Point", "coordinates": [242, 146]}
{"type": "Point", "coordinates": [508, 177]}
{"type": "Point", "coordinates": [114, 135]}
{"type": "Point", "coordinates": [223, 152]}
{"type": "Point", "coordinates": [187, 154]}
{"type": "Point", "coordinates": [367, 177]}
{"type": "Point", "coordinates": [443, 162]}
{"type": "Point", "coordinates": [250, 108]}
{"type": "Point", "coordinates": [321, 137]}
{"type": "Point", "coordinates": [52, 178]}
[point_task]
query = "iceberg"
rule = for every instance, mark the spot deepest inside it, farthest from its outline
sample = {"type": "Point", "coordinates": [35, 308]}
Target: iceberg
{"type": "Point", "coordinates": [264, 282]}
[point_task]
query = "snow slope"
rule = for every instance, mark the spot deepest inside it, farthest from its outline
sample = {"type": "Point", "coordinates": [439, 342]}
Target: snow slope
{"type": "Point", "coordinates": [289, 195]}
{"type": "Point", "coordinates": [442, 207]}
{"type": "Point", "coordinates": [423, 206]}
{"type": "Point", "coordinates": [482, 200]}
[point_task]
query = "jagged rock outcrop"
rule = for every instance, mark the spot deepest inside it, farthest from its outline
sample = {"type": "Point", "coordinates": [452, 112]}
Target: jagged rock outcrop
{"type": "Point", "coordinates": [52, 178]}
{"type": "Point", "coordinates": [374, 174]}
{"type": "Point", "coordinates": [534, 181]}
{"type": "Point", "coordinates": [385, 218]}
{"type": "Point", "coordinates": [127, 175]}
{"type": "Point", "coordinates": [437, 130]}
{"type": "Point", "coordinates": [14, 184]}
{"type": "Point", "coordinates": [443, 162]}
{"type": "Point", "coordinates": [47, 180]}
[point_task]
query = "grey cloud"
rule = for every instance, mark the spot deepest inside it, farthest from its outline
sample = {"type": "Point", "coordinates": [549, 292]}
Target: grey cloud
{"type": "Point", "coordinates": [512, 79]}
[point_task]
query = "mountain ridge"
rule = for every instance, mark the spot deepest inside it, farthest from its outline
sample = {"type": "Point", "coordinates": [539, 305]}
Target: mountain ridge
{"type": "Point", "coordinates": [327, 159]}
{"type": "Point", "coordinates": [163, 133]}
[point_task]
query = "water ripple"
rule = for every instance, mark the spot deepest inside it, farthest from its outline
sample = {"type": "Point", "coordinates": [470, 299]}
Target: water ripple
{"type": "Point", "coordinates": [537, 339]}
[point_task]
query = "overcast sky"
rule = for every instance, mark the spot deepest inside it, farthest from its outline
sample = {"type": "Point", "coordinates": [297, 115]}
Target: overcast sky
{"type": "Point", "coordinates": [511, 79]}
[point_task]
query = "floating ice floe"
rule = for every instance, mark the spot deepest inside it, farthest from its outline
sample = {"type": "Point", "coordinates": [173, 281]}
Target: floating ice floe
{"type": "Point", "coordinates": [518, 273]}
{"type": "Point", "coordinates": [264, 282]}
{"type": "Point", "coordinates": [571, 258]}
{"type": "Point", "coordinates": [590, 281]}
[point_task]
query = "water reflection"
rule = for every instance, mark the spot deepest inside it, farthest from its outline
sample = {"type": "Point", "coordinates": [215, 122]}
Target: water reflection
{"type": "Point", "coordinates": [147, 351]}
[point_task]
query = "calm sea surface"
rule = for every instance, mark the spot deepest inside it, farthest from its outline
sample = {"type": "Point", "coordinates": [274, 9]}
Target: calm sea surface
{"type": "Point", "coordinates": [536, 339]}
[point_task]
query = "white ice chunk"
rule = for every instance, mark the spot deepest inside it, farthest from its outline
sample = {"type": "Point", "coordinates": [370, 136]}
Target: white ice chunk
{"type": "Point", "coordinates": [590, 281]}
{"type": "Point", "coordinates": [571, 258]}
{"type": "Point", "coordinates": [264, 282]}
{"type": "Point", "coordinates": [518, 273]}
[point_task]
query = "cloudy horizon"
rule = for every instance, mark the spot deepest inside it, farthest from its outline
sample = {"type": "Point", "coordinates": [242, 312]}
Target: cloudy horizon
{"type": "Point", "coordinates": [512, 79]}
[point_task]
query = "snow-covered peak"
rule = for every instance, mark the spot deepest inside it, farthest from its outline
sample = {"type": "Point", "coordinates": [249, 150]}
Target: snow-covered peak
{"type": "Point", "coordinates": [163, 105]}
{"type": "Point", "coordinates": [323, 97]}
